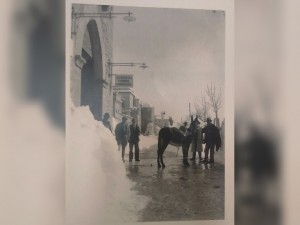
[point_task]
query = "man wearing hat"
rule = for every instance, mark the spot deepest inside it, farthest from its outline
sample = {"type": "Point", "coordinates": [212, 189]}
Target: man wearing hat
{"type": "Point", "coordinates": [122, 134]}
{"type": "Point", "coordinates": [212, 139]}
{"type": "Point", "coordinates": [134, 141]}
{"type": "Point", "coordinates": [197, 142]}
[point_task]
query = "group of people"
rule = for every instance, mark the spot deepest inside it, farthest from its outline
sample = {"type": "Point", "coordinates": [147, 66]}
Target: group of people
{"type": "Point", "coordinates": [125, 134]}
{"type": "Point", "coordinates": [209, 135]}
{"type": "Point", "coordinates": [128, 134]}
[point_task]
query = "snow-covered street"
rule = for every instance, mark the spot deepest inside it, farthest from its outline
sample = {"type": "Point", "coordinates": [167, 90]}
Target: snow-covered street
{"type": "Point", "coordinates": [178, 193]}
{"type": "Point", "coordinates": [100, 186]}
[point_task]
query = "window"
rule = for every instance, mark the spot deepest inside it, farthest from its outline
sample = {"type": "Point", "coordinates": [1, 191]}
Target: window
{"type": "Point", "coordinates": [105, 8]}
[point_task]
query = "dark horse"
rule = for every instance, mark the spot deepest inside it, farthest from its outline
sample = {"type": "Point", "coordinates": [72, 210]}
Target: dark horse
{"type": "Point", "coordinates": [173, 136]}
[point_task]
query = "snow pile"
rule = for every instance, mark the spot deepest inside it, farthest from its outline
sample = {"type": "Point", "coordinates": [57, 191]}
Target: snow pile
{"type": "Point", "coordinates": [113, 123]}
{"type": "Point", "coordinates": [33, 166]}
{"type": "Point", "coordinates": [98, 190]}
{"type": "Point", "coordinates": [220, 156]}
{"type": "Point", "coordinates": [156, 129]}
{"type": "Point", "coordinates": [148, 141]}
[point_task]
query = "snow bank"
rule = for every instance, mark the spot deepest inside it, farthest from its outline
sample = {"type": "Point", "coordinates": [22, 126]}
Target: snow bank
{"type": "Point", "coordinates": [147, 141]}
{"type": "Point", "coordinates": [113, 123]}
{"type": "Point", "coordinates": [32, 167]}
{"type": "Point", "coordinates": [220, 156]}
{"type": "Point", "coordinates": [98, 190]}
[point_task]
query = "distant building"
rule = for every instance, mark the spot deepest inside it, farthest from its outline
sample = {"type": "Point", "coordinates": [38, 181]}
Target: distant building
{"type": "Point", "coordinates": [136, 111]}
{"type": "Point", "coordinates": [117, 106]}
{"type": "Point", "coordinates": [147, 118]}
{"type": "Point", "coordinates": [150, 129]}
{"type": "Point", "coordinates": [162, 120]}
{"type": "Point", "coordinates": [127, 96]}
{"type": "Point", "coordinates": [130, 105]}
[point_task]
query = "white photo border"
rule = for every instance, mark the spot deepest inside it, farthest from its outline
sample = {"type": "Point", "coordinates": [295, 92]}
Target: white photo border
{"type": "Point", "coordinates": [224, 5]}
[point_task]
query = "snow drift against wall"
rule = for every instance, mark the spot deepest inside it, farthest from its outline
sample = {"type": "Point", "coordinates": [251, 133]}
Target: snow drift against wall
{"type": "Point", "coordinates": [98, 190]}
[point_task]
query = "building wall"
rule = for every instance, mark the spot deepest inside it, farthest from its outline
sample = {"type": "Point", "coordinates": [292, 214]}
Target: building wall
{"type": "Point", "coordinates": [117, 105]}
{"type": "Point", "coordinates": [75, 84]}
{"type": "Point", "coordinates": [107, 40]}
{"type": "Point", "coordinates": [136, 102]}
{"type": "Point", "coordinates": [128, 98]}
{"type": "Point", "coordinates": [136, 111]}
{"type": "Point", "coordinates": [131, 98]}
{"type": "Point", "coordinates": [81, 40]}
{"type": "Point", "coordinates": [147, 116]}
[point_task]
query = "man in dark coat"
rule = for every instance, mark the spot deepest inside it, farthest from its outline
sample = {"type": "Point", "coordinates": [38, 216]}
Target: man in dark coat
{"type": "Point", "coordinates": [134, 140]}
{"type": "Point", "coordinates": [212, 140]}
{"type": "Point", "coordinates": [122, 133]}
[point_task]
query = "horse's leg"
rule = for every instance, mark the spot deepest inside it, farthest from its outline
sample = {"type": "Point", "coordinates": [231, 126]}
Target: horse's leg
{"type": "Point", "coordinates": [162, 160]}
{"type": "Point", "coordinates": [159, 152]}
{"type": "Point", "coordinates": [162, 153]}
{"type": "Point", "coordinates": [158, 158]}
{"type": "Point", "coordinates": [185, 155]}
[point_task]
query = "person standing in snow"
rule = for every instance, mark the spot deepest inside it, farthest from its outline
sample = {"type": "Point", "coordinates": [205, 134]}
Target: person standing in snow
{"type": "Point", "coordinates": [212, 140]}
{"type": "Point", "coordinates": [134, 140]}
{"type": "Point", "coordinates": [122, 133]}
{"type": "Point", "coordinates": [197, 142]}
{"type": "Point", "coordinates": [106, 121]}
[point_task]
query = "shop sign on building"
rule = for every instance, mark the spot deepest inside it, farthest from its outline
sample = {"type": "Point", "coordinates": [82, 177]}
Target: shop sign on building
{"type": "Point", "coordinates": [124, 81]}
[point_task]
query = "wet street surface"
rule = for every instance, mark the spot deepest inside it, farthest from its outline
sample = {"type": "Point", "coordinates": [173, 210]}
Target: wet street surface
{"type": "Point", "coordinates": [178, 193]}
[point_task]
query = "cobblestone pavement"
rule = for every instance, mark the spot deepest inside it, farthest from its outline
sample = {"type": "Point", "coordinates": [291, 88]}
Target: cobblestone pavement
{"type": "Point", "coordinates": [178, 193]}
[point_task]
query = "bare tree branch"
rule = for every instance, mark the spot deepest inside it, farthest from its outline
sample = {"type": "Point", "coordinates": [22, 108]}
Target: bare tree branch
{"type": "Point", "coordinates": [201, 107]}
{"type": "Point", "coordinates": [215, 98]}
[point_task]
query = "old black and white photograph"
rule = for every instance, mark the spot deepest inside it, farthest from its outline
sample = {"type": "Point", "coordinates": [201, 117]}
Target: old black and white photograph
{"type": "Point", "coordinates": [146, 125]}
{"type": "Point", "coordinates": [161, 112]}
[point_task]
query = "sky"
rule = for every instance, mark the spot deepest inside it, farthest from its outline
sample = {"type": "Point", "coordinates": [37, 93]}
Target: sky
{"type": "Point", "coordinates": [184, 49]}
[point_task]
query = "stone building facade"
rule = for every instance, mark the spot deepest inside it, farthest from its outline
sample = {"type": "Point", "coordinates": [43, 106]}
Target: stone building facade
{"type": "Point", "coordinates": [131, 106]}
{"type": "Point", "coordinates": [117, 106]}
{"type": "Point", "coordinates": [136, 111]}
{"type": "Point", "coordinates": [92, 38]}
{"type": "Point", "coordinates": [147, 117]}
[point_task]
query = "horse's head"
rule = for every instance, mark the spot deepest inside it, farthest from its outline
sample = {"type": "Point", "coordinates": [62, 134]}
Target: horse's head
{"type": "Point", "coordinates": [191, 131]}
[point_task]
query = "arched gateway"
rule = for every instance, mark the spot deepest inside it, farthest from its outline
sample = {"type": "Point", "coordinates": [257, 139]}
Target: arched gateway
{"type": "Point", "coordinates": [90, 83]}
{"type": "Point", "coordinates": [92, 71]}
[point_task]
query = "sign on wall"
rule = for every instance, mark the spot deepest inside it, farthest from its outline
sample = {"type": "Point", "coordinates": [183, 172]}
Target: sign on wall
{"type": "Point", "coordinates": [124, 81]}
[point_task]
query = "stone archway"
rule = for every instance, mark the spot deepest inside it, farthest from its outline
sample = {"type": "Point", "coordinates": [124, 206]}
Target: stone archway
{"type": "Point", "coordinates": [92, 71]}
